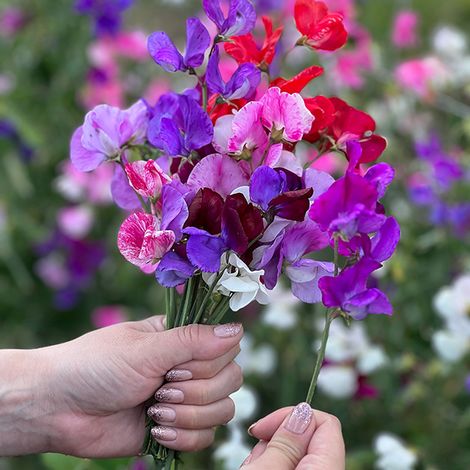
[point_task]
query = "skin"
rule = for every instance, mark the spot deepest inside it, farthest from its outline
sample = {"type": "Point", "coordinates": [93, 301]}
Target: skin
{"type": "Point", "coordinates": [87, 397]}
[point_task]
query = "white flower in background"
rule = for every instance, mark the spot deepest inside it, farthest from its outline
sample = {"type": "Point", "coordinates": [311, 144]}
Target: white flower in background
{"type": "Point", "coordinates": [281, 311]}
{"type": "Point", "coordinates": [393, 454]}
{"type": "Point", "coordinates": [239, 280]}
{"type": "Point", "coordinates": [252, 359]}
{"type": "Point", "coordinates": [234, 451]}
{"type": "Point", "coordinates": [449, 42]}
{"type": "Point", "coordinates": [349, 354]}
{"type": "Point", "coordinates": [452, 303]}
{"type": "Point", "coordinates": [246, 404]}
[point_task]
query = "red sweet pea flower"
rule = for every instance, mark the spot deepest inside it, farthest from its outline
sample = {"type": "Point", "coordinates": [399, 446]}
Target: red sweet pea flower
{"type": "Point", "coordinates": [299, 82]}
{"type": "Point", "coordinates": [245, 49]}
{"type": "Point", "coordinates": [352, 124]}
{"type": "Point", "coordinates": [321, 29]}
{"type": "Point", "coordinates": [324, 111]}
{"type": "Point", "coordinates": [217, 107]}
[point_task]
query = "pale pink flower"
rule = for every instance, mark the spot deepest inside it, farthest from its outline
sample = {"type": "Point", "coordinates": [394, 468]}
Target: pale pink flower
{"type": "Point", "coordinates": [141, 241]}
{"type": "Point", "coordinates": [75, 221]}
{"type": "Point", "coordinates": [404, 29]}
{"type": "Point", "coordinates": [132, 45]}
{"type": "Point", "coordinates": [108, 315]}
{"type": "Point", "coordinates": [147, 178]}
{"type": "Point", "coordinates": [286, 113]}
{"type": "Point", "coordinates": [52, 271]}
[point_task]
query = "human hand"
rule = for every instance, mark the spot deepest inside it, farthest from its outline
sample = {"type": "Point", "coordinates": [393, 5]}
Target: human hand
{"type": "Point", "coordinates": [96, 387]}
{"type": "Point", "coordinates": [297, 439]}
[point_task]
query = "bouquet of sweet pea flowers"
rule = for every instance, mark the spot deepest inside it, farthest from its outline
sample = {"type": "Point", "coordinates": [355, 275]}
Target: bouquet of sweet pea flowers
{"type": "Point", "coordinates": [221, 205]}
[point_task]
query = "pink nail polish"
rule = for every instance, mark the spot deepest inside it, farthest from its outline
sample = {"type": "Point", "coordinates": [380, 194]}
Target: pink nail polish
{"type": "Point", "coordinates": [178, 375]}
{"type": "Point", "coordinates": [163, 433]}
{"type": "Point", "coordinates": [228, 330]}
{"type": "Point", "coordinates": [162, 414]}
{"type": "Point", "coordinates": [169, 395]}
{"type": "Point", "coordinates": [299, 419]}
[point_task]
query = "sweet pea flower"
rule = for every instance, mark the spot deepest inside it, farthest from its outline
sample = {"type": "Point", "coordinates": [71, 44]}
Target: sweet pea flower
{"type": "Point", "coordinates": [142, 242]}
{"type": "Point", "coordinates": [298, 82]}
{"type": "Point", "coordinates": [349, 291]}
{"type": "Point", "coordinates": [243, 83]}
{"type": "Point", "coordinates": [393, 454]}
{"type": "Point", "coordinates": [122, 192]}
{"type": "Point", "coordinates": [239, 281]}
{"type": "Point", "coordinates": [241, 17]}
{"type": "Point", "coordinates": [75, 221]}
{"type": "Point", "coordinates": [404, 29]}
{"type": "Point", "coordinates": [174, 270]}
{"type": "Point", "coordinates": [164, 52]}
{"type": "Point", "coordinates": [108, 315]}
{"type": "Point", "coordinates": [105, 132]}
{"type": "Point", "coordinates": [321, 29]}
{"type": "Point", "coordinates": [147, 178]}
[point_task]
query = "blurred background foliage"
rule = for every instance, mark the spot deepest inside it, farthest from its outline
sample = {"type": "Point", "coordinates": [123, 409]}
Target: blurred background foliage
{"type": "Point", "coordinates": [44, 70]}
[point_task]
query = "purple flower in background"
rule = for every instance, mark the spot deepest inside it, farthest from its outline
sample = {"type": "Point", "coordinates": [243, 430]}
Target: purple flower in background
{"type": "Point", "coordinates": [164, 52]}
{"type": "Point", "coordinates": [179, 125]}
{"type": "Point", "coordinates": [241, 18]}
{"type": "Point", "coordinates": [266, 6]}
{"type": "Point", "coordinates": [243, 83]}
{"type": "Point", "coordinates": [467, 384]}
{"type": "Point", "coordinates": [8, 131]}
{"type": "Point", "coordinates": [349, 291]}
{"type": "Point", "coordinates": [106, 13]}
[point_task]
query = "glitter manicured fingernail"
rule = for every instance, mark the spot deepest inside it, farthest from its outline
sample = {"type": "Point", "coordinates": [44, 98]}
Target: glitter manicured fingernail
{"type": "Point", "coordinates": [162, 433]}
{"type": "Point", "coordinates": [299, 419]}
{"type": "Point", "coordinates": [169, 395]}
{"type": "Point", "coordinates": [162, 414]}
{"type": "Point", "coordinates": [228, 330]}
{"type": "Point", "coordinates": [178, 375]}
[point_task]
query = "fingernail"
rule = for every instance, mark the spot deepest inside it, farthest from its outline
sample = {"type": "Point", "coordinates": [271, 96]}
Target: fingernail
{"type": "Point", "coordinates": [251, 428]}
{"type": "Point", "coordinates": [299, 419]}
{"type": "Point", "coordinates": [178, 375]}
{"type": "Point", "coordinates": [228, 330]}
{"type": "Point", "coordinates": [162, 414]}
{"type": "Point", "coordinates": [169, 395]}
{"type": "Point", "coordinates": [162, 433]}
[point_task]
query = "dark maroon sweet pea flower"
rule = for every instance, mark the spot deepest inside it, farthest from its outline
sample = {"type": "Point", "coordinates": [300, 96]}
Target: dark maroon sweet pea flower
{"type": "Point", "coordinates": [205, 211]}
{"type": "Point", "coordinates": [241, 18]}
{"type": "Point", "coordinates": [349, 291]}
{"type": "Point", "coordinates": [179, 125]}
{"type": "Point", "coordinates": [243, 83]}
{"type": "Point", "coordinates": [165, 53]}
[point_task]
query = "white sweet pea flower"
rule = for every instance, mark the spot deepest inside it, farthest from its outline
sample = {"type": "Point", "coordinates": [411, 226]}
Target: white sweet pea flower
{"type": "Point", "coordinates": [239, 280]}
{"type": "Point", "coordinates": [393, 454]}
{"type": "Point", "coordinates": [449, 42]}
{"type": "Point", "coordinates": [281, 311]}
{"type": "Point", "coordinates": [246, 404]}
{"type": "Point", "coordinates": [234, 451]}
{"type": "Point", "coordinates": [338, 381]}
{"type": "Point", "coordinates": [252, 359]}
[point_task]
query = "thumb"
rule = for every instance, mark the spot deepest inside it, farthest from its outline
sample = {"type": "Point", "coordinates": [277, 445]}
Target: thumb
{"type": "Point", "coordinates": [290, 442]}
{"type": "Point", "coordinates": [194, 342]}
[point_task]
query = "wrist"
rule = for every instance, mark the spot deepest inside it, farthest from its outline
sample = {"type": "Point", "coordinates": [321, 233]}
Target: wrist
{"type": "Point", "coordinates": [26, 409]}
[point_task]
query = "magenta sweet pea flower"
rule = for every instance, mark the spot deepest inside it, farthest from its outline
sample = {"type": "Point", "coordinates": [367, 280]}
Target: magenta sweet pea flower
{"type": "Point", "coordinates": [123, 194]}
{"type": "Point", "coordinates": [105, 132]}
{"type": "Point", "coordinates": [147, 178]}
{"type": "Point", "coordinates": [241, 18]}
{"type": "Point", "coordinates": [141, 241]}
{"type": "Point", "coordinates": [349, 291]}
{"type": "Point", "coordinates": [243, 83]}
{"type": "Point", "coordinates": [165, 53]}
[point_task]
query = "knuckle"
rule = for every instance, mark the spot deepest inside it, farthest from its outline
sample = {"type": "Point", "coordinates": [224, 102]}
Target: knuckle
{"type": "Point", "coordinates": [203, 396]}
{"type": "Point", "coordinates": [334, 422]}
{"type": "Point", "coordinates": [189, 334]}
{"type": "Point", "coordinates": [201, 440]}
{"type": "Point", "coordinates": [236, 373]}
{"type": "Point", "coordinates": [229, 410]}
{"type": "Point", "coordinates": [285, 448]}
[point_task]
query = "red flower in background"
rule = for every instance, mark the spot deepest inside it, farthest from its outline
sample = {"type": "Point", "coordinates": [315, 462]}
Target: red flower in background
{"type": "Point", "coordinates": [324, 111]}
{"type": "Point", "coordinates": [352, 124]}
{"type": "Point", "coordinates": [299, 82]}
{"type": "Point", "coordinates": [321, 29]}
{"type": "Point", "coordinates": [245, 49]}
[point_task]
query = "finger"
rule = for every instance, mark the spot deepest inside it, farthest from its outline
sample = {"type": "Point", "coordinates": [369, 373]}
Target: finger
{"type": "Point", "coordinates": [153, 324]}
{"type": "Point", "coordinates": [193, 417]}
{"type": "Point", "coordinates": [290, 442]}
{"type": "Point", "coordinates": [204, 391]}
{"type": "Point", "coordinates": [202, 369]}
{"type": "Point", "coordinates": [326, 449]}
{"type": "Point", "coordinates": [258, 449]}
{"type": "Point", "coordinates": [185, 440]}
{"type": "Point", "coordinates": [177, 346]}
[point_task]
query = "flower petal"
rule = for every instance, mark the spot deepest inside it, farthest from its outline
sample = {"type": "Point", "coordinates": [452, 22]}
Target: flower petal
{"type": "Point", "coordinates": [164, 52]}
{"type": "Point", "coordinates": [83, 159]}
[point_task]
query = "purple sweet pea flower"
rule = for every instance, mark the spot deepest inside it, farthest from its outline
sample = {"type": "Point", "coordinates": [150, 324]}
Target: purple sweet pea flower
{"type": "Point", "coordinates": [204, 249]}
{"type": "Point", "coordinates": [243, 83]}
{"type": "Point", "coordinates": [174, 210]}
{"type": "Point", "coordinates": [123, 195]}
{"type": "Point", "coordinates": [8, 131]}
{"type": "Point", "coordinates": [179, 125]}
{"type": "Point", "coordinates": [173, 270]}
{"type": "Point", "coordinates": [349, 291]}
{"type": "Point", "coordinates": [104, 133]}
{"type": "Point", "coordinates": [165, 53]}
{"type": "Point", "coordinates": [241, 18]}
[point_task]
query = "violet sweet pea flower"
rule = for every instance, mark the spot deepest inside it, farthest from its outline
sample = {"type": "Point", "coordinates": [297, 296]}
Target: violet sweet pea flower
{"type": "Point", "coordinates": [179, 125]}
{"type": "Point", "coordinates": [243, 83]}
{"type": "Point", "coordinates": [141, 241]}
{"type": "Point", "coordinates": [241, 18]}
{"type": "Point", "coordinates": [174, 270]}
{"type": "Point", "coordinates": [123, 194]}
{"type": "Point", "coordinates": [165, 53]}
{"type": "Point", "coordinates": [349, 291]}
{"type": "Point", "coordinates": [105, 132]}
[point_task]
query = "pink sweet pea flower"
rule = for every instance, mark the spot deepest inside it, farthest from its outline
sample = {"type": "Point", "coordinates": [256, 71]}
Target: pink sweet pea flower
{"type": "Point", "coordinates": [76, 221]}
{"type": "Point", "coordinates": [147, 178]}
{"type": "Point", "coordinates": [404, 29]}
{"type": "Point", "coordinates": [108, 315]}
{"type": "Point", "coordinates": [141, 241]}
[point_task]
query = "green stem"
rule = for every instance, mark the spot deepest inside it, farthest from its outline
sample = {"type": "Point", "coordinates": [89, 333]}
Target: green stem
{"type": "Point", "coordinates": [170, 298]}
{"type": "Point", "coordinates": [186, 302]}
{"type": "Point", "coordinates": [220, 311]}
{"type": "Point", "coordinates": [207, 297]}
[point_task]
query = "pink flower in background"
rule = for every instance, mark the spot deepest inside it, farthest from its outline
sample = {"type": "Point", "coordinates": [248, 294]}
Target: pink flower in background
{"type": "Point", "coordinates": [141, 241]}
{"type": "Point", "coordinates": [12, 20]}
{"type": "Point", "coordinates": [108, 315]}
{"type": "Point", "coordinates": [404, 29]}
{"type": "Point", "coordinates": [75, 221]}
{"type": "Point", "coordinates": [147, 178]}
{"type": "Point", "coordinates": [52, 271]}
{"type": "Point", "coordinates": [156, 88]}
